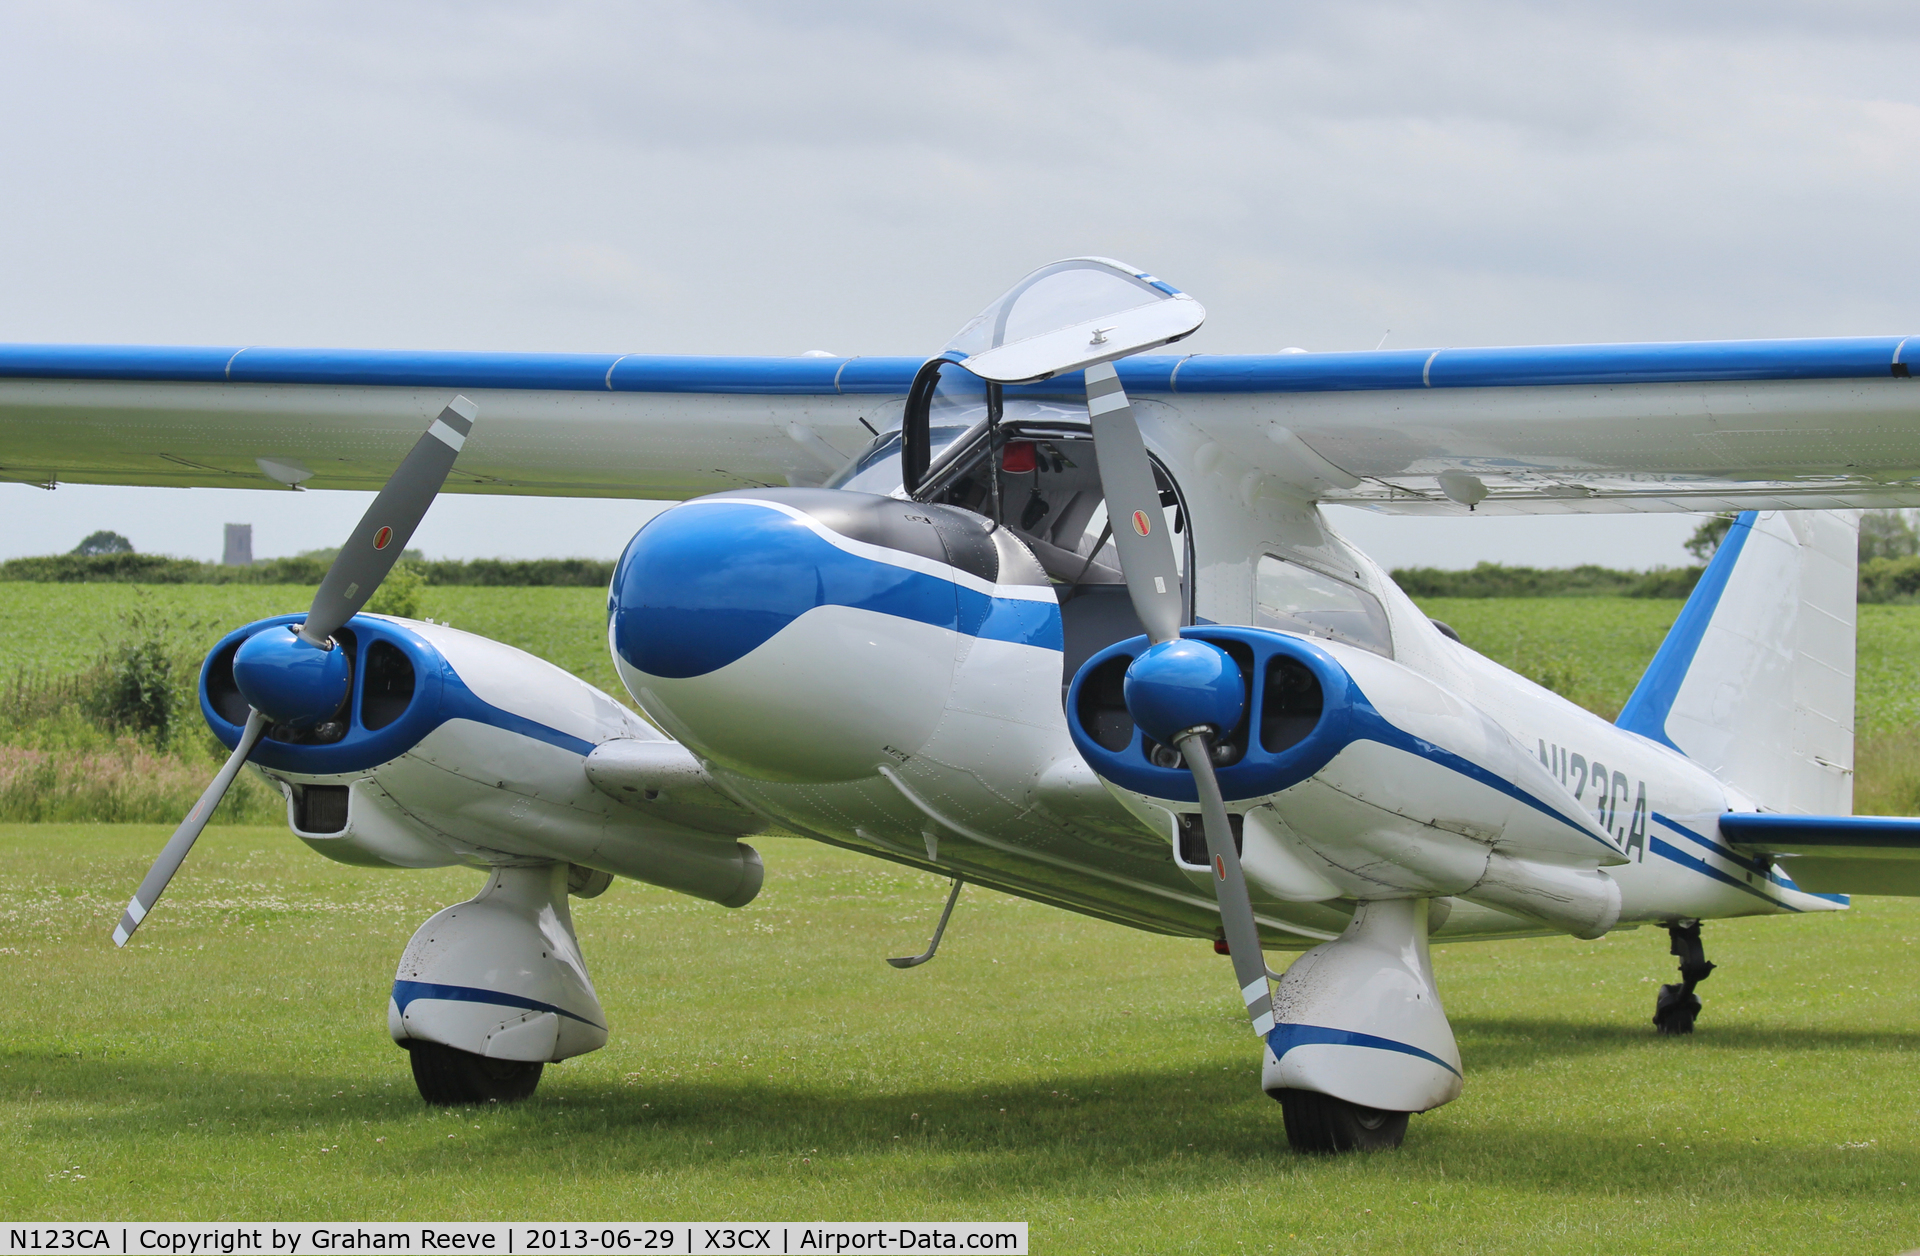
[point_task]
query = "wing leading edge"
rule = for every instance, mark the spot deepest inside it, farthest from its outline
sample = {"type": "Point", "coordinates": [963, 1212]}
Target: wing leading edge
{"type": "Point", "coordinates": [1825, 424]}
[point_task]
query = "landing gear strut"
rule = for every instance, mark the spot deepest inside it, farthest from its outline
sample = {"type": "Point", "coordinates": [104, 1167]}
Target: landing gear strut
{"type": "Point", "coordinates": [1677, 1006]}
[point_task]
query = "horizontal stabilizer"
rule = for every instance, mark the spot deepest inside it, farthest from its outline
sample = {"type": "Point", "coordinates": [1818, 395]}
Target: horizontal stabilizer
{"type": "Point", "coordinates": [1834, 854]}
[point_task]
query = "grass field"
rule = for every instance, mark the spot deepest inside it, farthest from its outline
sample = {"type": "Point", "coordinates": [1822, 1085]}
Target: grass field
{"type": "Point", "coordinates": [1095, 1082]}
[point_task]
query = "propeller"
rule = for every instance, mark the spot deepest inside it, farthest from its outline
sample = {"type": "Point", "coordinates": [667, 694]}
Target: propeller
{"type": "Point", "coordinates": [1084, 314]}
{"type": "Point", "coordinates": [296, 676]}
{"type": "Point", "coordinates": [1182, 692]}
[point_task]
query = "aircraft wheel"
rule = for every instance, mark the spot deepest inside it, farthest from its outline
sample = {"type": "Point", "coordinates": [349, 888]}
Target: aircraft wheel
{"type": "Point", "coordinates": [1321, 1124]}
{"type": "Point", "coordinates": [450, 1077]}
{"type": "Point", "coordinates": [1674, 1011]}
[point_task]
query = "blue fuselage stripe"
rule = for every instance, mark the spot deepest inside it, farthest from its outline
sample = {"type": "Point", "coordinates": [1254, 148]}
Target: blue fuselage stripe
{"type": "Point", "coordinates": [1750, 862]}
{"type": "Point", "coordinates": [1379, 728]}
{"type": "Point", "coordinates": [1668, 851]}
{"type": "Point", "coordinates": [1731, 856]}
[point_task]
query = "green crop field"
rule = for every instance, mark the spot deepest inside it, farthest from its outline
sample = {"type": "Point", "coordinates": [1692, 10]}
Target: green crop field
{"type": "Point", "coordinates": [765, 1064]}
{"type": "Point", "coordinates": [58, 627]}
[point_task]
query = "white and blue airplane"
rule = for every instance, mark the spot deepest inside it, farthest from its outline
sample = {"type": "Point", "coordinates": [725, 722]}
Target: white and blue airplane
{"type": "Point", "coordinates": [1055, 615]}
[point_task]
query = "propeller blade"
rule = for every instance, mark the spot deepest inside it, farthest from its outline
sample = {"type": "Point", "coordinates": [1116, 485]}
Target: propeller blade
{"type": "Point", "coordinates": [175, 851]}
{"type": "Point", "coordinates": [383, 532]}
{"type": "Point", "coordinates": [1140, 535]}
{"type": "Point", "coordinates": [1230, 887]}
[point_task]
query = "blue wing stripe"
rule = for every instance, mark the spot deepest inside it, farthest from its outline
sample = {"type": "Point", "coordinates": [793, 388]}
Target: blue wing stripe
{"type": "Point", "coordinates": [1756, 828]}
{"type": "Point", "coordinates": [1862, 357]}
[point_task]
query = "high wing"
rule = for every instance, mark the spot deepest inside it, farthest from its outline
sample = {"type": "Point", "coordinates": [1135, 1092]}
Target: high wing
{"type": "Point", "coordinates": [1820, 424]}
{"type": "Point", "coordinates": [557, 425]}
{"type": "Point", "coordinates": [1823, 424]}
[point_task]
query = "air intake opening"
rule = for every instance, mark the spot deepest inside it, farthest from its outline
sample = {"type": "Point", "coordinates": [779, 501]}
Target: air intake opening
{"type": "Point", "coordinates": [222, 692]}
{"type": "Point", "coordinates": [389, 685]}
{"type": "Point", "coordinates": [1291, 708]}
{"type": "Point", "coordinates": [1103, 705]}
{"type": "Point", "coordinates": [1191, 844]}
{"type": "Point", "coordinates": [320, 808]}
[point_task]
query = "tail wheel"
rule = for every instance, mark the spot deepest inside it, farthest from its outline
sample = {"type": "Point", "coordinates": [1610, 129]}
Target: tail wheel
{"type": "Point", "coordinates": [1675, 1010]}
{"type": "Point", "coordinates": [449, 1077]}
{"type": "Point", "coordinates": [1321, 1124]}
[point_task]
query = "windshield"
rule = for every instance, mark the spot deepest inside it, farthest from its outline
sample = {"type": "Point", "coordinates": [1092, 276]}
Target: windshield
{"type": "Point", "coordinates": [959, 402]}
{"type": "Point", "coordinates": [877, 469]}
{"type": "Point", "coordinates": [1298, 599]}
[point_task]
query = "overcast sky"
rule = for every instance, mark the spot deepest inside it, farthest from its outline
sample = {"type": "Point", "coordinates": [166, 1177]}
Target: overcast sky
{"type": "Point", "coordinates": [862, 177]}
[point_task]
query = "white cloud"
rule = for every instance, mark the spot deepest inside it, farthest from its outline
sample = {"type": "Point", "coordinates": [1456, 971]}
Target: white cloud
{"type": "Point", "coordinates": [769, 178]}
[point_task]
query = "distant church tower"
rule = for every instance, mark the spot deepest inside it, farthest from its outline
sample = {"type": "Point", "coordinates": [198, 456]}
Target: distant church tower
{"type": "Point", "coordinates": [239, 546]}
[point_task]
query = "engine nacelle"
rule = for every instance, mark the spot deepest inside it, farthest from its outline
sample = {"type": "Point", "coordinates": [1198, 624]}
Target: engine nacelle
{"type": "Point", "coordinates": [454, 749]}
{"type": "Point", "coordinates": [1357, 777]}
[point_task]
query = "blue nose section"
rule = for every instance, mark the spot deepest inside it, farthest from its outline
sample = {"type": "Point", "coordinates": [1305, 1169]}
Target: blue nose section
{"type": "Point", "coordinates": [289, 680]}
{"type": "Point", "coordinates": [710, 581]}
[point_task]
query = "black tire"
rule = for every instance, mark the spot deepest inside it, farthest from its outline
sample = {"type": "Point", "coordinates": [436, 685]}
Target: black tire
{"type": "Point", "coordinates": [1674, 1011]}
{"type": "Point", "coordinates": [449, 1077]}
{"type": "Point", "coordinates": [1322, 1125]}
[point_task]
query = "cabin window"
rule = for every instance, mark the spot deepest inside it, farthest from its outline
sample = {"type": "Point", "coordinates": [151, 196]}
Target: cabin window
{"type": "Point", "coordinates": [1294, 598]}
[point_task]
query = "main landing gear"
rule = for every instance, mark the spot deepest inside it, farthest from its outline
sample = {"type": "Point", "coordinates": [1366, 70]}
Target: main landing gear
{"type": "Point", "coordinates": [1359, 1041]}
{"type": "Point", "coordinates": [492, 990]}
{"type": "Point", "coordinates": [1678, 1005]}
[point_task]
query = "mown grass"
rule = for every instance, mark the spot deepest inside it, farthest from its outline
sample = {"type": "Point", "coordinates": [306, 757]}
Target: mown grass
{"type": "Point", "coordinates": [1095, 1082]}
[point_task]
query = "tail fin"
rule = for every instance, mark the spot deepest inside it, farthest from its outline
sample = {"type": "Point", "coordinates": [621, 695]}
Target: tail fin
{"type": "Point", "coordinates": [1755, 679]}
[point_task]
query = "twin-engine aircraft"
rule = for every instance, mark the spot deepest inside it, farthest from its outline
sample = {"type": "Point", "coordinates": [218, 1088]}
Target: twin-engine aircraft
{"type": "Point", "coordinates": [1056, 615]}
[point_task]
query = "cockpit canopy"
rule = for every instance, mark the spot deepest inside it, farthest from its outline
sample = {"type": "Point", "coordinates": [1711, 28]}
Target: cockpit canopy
{"type": "Point", "coordinates": [1069, 315]}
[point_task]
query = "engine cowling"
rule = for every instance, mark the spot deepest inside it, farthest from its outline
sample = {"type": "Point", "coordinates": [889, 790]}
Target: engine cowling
{"type": "Point", "coordinates": [1357, 777]}
{"type": "Point", "coordinates": [452, 748]}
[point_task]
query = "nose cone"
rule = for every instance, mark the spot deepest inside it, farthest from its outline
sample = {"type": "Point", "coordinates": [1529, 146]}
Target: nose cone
{"type": "Point", "coordinates": [290, 680]}
{"type": "Point", "coordinates": [1184, 684]}
{"type": "Point", "coordinates": [798, 635]}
